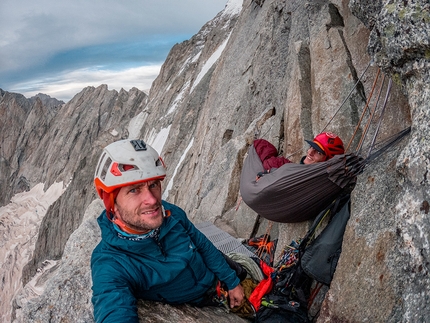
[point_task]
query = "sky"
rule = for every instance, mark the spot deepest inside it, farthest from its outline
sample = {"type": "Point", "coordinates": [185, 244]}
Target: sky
{"type": "Point", "coordinates": [59, 47]}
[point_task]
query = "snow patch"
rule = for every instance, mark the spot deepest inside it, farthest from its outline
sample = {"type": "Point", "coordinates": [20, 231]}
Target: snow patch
{"type": "Point", "coordinates": [170, 185]}
{"type": "Point", "coordinates": [178, 98]}
{"type": "Point", "coordinates": [157, 141]}
{"type": "Point", "coordinates": [136, 124]}
{"type": "Point", "coordinates": [196, 57]}
{"type": "Point", "coordinates": [232, 8]}
{"type": "Point", "coordinates": [211, 61]}
{"type": "Point", "coordinates": [19, 227]}
{"type": "Point", "coordinates": [190, 59]}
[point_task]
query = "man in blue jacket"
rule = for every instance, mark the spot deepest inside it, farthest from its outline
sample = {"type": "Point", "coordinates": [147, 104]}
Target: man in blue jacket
{"type": "Point", "coordinates": [149, 249]}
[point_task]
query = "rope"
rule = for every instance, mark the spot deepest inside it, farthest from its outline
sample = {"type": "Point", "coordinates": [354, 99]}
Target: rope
{"type": "Point", "coordinates": [264, 246]}
{"type": "Point", "coordinates": [366, 129]}
{"type": "Point", "coordinates": [366, 107]}
{"type": "Point", "coordinates": [337, 111]}
{"type": "Point", "coordinates": [358, 81]}
{"type": "Point", "coordinates": [364, 110]}
{"type": "Point", "coordinates": [314, 293]}
{"type": "Point", "coordinates": [390, 82]}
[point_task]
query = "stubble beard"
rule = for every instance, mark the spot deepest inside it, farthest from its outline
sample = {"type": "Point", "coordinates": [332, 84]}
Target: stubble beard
{"type": "Point", "coordinates": [136, 221]}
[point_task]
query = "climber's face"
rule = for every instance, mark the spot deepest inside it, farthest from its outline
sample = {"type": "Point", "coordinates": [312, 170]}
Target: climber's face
{"type": "Point", "coordinates": [139, 206]}
{"type": "Point", "coordinates": [313, 156]}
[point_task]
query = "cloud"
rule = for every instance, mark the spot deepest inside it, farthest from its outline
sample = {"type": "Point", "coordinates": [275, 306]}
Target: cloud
{"type": "Point", "coordinates": [64, 86]}
{"type": "Point", "coordinates": [45, 39]}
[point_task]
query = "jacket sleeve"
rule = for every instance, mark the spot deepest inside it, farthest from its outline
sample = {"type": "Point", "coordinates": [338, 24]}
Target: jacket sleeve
{"type": "Point", "coordinates": [212, 257]}
{"type": "Point", "coordinates": [112, 298]}
{"type": "Point", "coordinates": [269, 154]}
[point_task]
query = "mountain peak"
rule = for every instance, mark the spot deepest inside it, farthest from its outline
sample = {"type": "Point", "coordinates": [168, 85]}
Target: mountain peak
{"type": "Point", "coordinates": [47, 100]}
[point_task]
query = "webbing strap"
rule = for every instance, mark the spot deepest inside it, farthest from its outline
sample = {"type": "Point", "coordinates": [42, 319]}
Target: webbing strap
{"type": "Point", "coordinates": [387, 143]}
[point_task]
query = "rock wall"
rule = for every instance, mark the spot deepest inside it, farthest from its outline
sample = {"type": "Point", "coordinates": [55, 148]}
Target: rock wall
{"type": "Point", "coordinates": [50, 143]}
{"type": "Point", "coordinates": [278, 70]}
{"type": "Point", "coordinates": [390, 223]}
{"type": "Point", "coordinates": [88, 122]}
{"type": "Point", "coordinates": [23, 123]}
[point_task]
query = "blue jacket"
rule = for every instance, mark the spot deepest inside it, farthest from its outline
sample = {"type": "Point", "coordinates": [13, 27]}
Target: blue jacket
{"type": "Point", "coordinates": [179, 268]}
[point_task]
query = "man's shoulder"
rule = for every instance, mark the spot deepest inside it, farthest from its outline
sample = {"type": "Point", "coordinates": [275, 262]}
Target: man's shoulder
{"type": "Point", "coordinates": [174, 215]}
{"type": "Point", "coordinates": [173, 209]}
{"type": "Point", "coordinates": [102, 255]}
{"type": "Point", "coordinates": [102, 218]}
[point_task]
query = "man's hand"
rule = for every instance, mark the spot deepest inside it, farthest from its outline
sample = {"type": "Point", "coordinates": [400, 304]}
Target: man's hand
{"type": "Point", "coordinates": [236, 296]}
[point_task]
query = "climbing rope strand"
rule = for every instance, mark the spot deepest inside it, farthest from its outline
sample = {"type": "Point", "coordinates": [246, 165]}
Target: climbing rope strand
{"type": "Point", "coordinates": [350, 92]}
{"type": "Point", "coordinates": [340, 107]}
{"type": "Point", "coordinates": [314, 293]}
{"type": "Point", "coordinates": [387, 95]}
{"type": "Point", "coordinates": [364, 110]}
{"type": "Point", "coordinates": [369, 121]}
{"type": "Point", "coordinates": [263, 247]}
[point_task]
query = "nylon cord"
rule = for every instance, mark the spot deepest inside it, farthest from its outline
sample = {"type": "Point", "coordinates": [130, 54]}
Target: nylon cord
{"type": "Point", "coordinates": [366, 129]}
{"type": "Point", "coordinates": [387, 95]}
{"type": "Point", "coordinates": [364, 110]}
{"type": "Point", "coordinates": [350, 92]}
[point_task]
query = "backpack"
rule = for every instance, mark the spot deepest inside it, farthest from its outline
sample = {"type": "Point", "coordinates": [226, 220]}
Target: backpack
{"type": "Point", "coordinates": [320, 258]}
{"type": "Point", "coordinates": [287, 301]}
{"type": "Point", "coordinates": [303, 262]}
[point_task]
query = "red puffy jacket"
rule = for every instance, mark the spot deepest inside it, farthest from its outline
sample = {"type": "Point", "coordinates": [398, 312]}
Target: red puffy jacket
{"type": "Point", "coordinates": [269, 154]}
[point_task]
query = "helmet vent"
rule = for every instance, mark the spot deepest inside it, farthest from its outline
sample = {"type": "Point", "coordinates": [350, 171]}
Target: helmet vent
{"type": "Point", "coordinates": [105, 168]}
{"type": "Point", "coordinates": [100, 162]}
{"type": "Point", "coordinates": [126, 168]}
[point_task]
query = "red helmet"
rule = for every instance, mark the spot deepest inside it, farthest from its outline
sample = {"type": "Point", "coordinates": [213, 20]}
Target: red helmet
{"type": "Point", "coordinates": [327, 143]}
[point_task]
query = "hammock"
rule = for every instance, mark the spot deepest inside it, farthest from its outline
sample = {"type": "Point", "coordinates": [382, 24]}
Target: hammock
{"type": "Point", "coordinates": [296, 192]}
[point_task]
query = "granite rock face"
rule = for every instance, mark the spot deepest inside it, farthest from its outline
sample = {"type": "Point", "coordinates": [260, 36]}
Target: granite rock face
{"type": "Point", "coordinates": [91, 120]}
{"type": "Point", "coordinates": [45, 141]}
{"type": "Point", "coordinates": [279, 70]}
{"type": "Point", "coordinates": [390, 223]}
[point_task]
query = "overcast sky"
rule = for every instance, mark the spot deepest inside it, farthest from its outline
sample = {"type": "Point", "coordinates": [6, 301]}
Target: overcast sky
{"type": "Point", "coordinates": [58, 47]}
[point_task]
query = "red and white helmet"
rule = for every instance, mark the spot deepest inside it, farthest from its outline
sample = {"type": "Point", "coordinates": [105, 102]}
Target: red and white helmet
{"type": "Point", "coordinates": [327, 143]}
{"type": "Point", "coordinates": [124, 163]}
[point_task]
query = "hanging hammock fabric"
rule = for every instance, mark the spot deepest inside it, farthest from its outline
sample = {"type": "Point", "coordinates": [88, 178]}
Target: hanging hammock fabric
{"type": "Point", "coordinates": [295, 192]}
